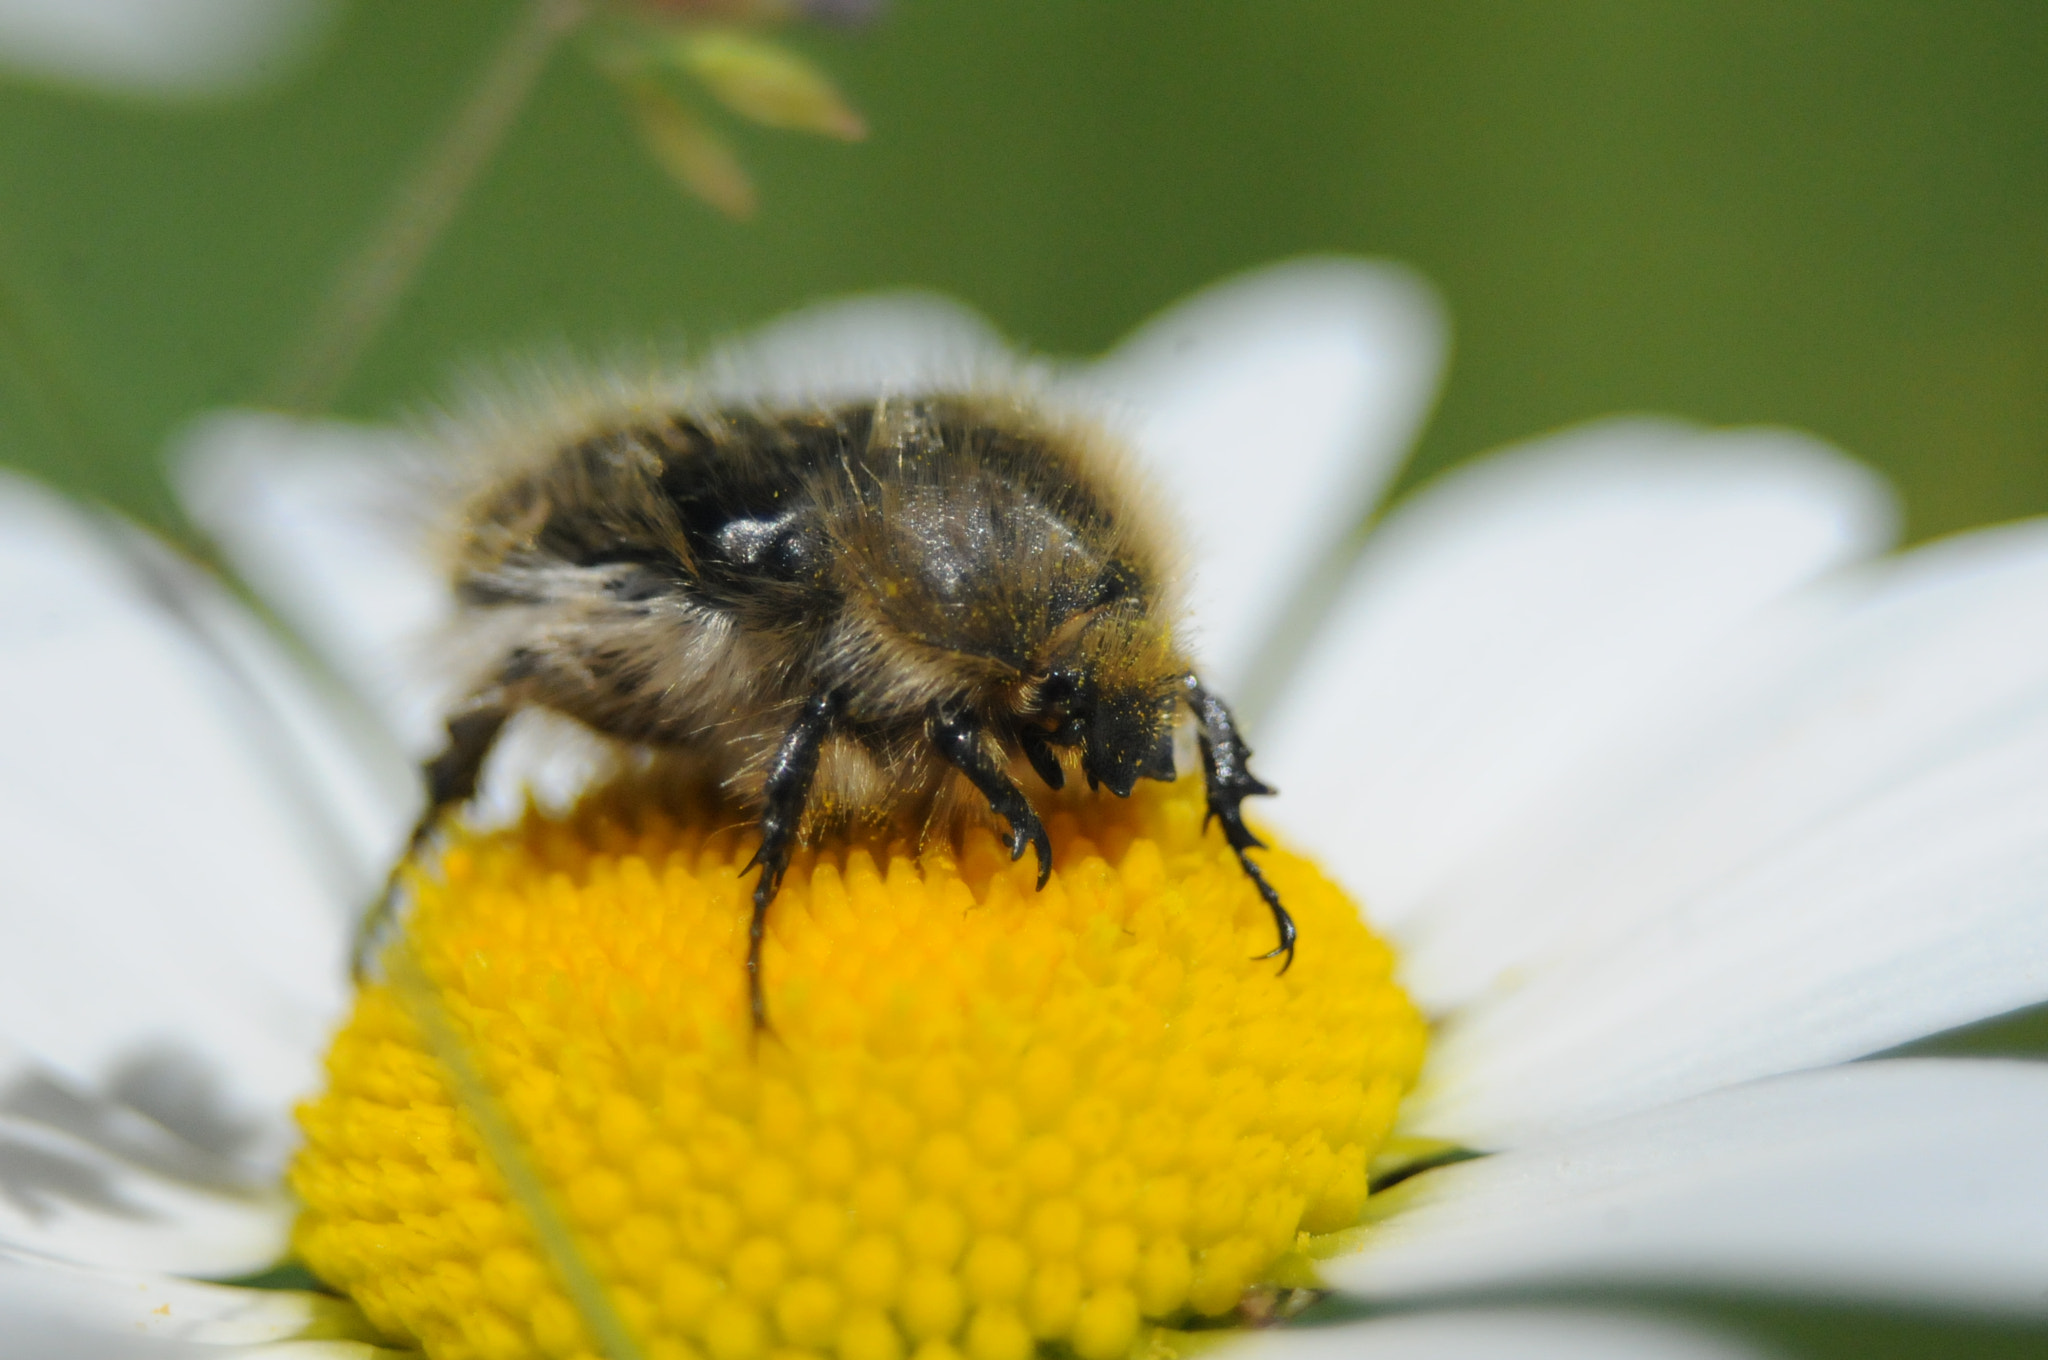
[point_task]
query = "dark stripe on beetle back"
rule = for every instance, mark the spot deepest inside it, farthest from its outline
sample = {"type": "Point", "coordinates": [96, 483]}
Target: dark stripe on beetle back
{"type": "Point", "coordinates": [742, 487]}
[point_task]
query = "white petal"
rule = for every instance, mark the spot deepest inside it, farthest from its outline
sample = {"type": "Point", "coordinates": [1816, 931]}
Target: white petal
{"type": "Point", "coordinates": [173, 905]}
{"type": "Point", "coordinates": [1843, 694]}
{"type": "Point", "coordinates": [1272, 409]}
{"type": "Point", "coordinates": [323, 520]}
{"type": "Point", "coordinates": [53, 1311]}
{"type": "Point", "coordinates": [1505, 625]}
{"type": "Point", "coordinates": [859, 347]}
{"type": "Point", "coordinates": [357, 785]}
{"type": "Point", "coordinates": [162, 47]}
{"type": "Point", "coordinates": [1492, 1334]}
{"type": "Point", "coordinates": [1837, 843]}
{"type": "Point", "coordinates": [88, 1180]}
{"type": "Point", "coordinates": [1910, 1181]}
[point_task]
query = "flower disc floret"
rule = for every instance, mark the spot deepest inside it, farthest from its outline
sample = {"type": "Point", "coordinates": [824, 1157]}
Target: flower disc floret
{"type": "Point", "coordinates": [987, 1119]}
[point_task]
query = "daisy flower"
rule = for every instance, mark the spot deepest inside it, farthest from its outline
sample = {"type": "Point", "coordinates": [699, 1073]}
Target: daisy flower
{"type": "Point", "coordinates": [1669, 791]}
{"type": "Point", "coordinates": [162, 48]}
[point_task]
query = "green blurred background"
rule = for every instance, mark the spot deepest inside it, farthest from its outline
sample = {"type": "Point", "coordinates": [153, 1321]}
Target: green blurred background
{"type": "Point", "coordinates": [1828, 215]}
{"type": "Point", "coordinates": [1832, 215]}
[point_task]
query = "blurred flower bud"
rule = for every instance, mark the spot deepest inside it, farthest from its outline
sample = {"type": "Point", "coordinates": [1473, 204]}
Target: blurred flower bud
{"type": "Point", "coordinates": [712, 44]}
{"type": "Point", "coordinates": [768, 84]}
{"type": "Point", "coordinates": [692, 154]}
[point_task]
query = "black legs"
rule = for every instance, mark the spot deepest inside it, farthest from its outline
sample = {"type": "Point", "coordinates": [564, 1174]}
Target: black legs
{"type": "Point", "coordinates": [1225, 760]}
{"type": "Point", "coordinates": [957, 736]}
{"type": "Point", "coordinates": [451, 780]}
{"type": "Point", "coordinates": [784, 797]}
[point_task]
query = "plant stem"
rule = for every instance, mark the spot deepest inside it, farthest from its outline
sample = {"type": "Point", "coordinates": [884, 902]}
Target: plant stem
{"type": "Point", "coordinates": [501, 1142]}
{"type": "Point", "coordinates": [373, 281]}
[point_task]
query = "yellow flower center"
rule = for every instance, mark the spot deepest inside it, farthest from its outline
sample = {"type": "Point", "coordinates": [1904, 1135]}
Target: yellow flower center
{"type": "Point", "coordinates": [987, 1118]}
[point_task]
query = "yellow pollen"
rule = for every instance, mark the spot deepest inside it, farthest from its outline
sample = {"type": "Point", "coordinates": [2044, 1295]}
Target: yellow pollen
{"type": "Point", "coordinates": [989, 1120]}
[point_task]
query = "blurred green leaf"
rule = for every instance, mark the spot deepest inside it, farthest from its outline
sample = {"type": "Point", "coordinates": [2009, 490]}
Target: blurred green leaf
{"type": "Point", "coordinates": [1798, 212]}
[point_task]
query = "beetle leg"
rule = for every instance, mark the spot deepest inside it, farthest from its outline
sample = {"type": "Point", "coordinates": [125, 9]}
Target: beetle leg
{"type": "Point", "coordinates": [957, 736]}
{"type": "Point", "coordinates": [450, 778]}
{"type": "Point", "coordinates": [1038, 750]}
{"type": "Point", "coordinates": [784, 798]}
{"type": "Point", "coordinates": [1226, 771]}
